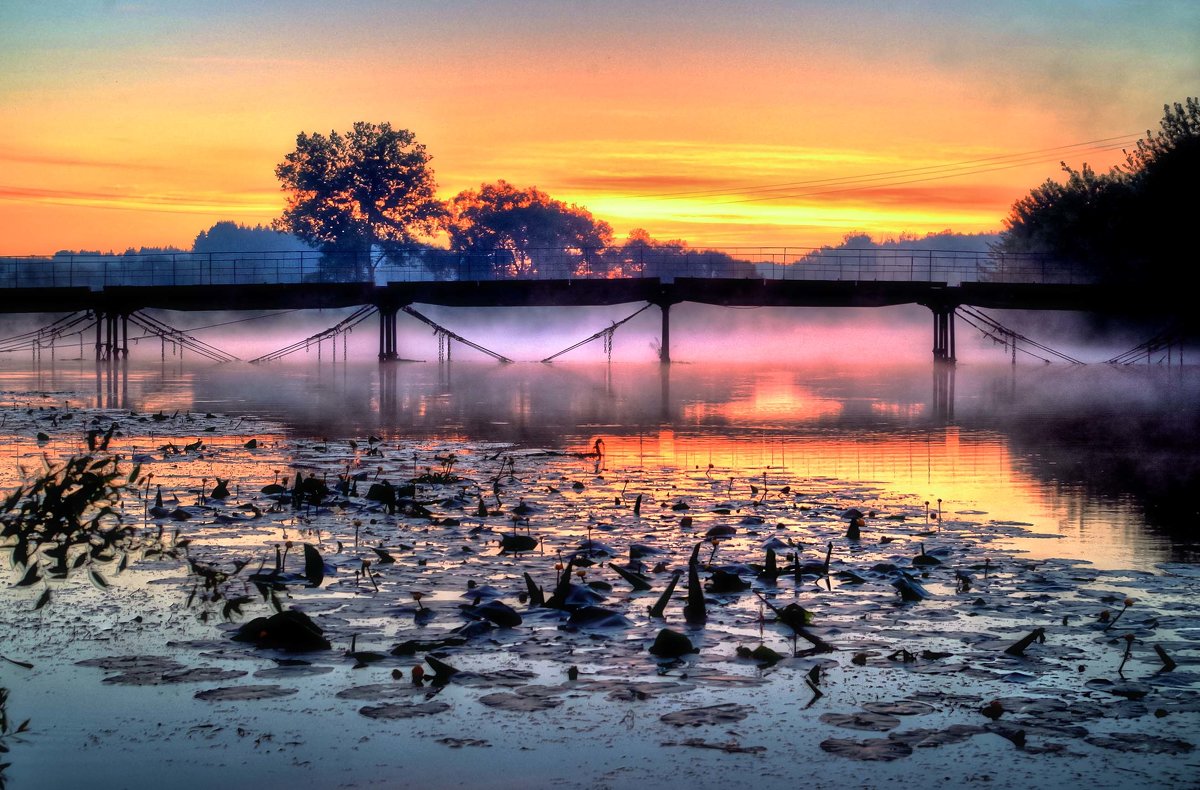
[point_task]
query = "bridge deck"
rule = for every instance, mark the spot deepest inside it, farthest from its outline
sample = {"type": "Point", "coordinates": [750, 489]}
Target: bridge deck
{"type": "Point", "coordinates": [741, 292]}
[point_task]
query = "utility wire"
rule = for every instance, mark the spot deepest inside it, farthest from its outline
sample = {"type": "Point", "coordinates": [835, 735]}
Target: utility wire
{"type": "Point", "coordinates": [1037, 156]}
{"type": "Point", "coordinates": [991, 327]}
{"type": "Point", "coordinates": [1164, 339]}
{"type": "Point", "coordinates": [50, 332]}
{"type": "Point", "coordinates": [167, 332]}
{"type": "Point", "coordinates": [606, 331]}
{"type": "Point", "coordinates": [883, 183]}
{"type": "Point", "coordinates": [272, 314]}
{"type": "Point", "coordinates": [443, 330]}
{"type": "Point", "coordinates": [345, 325]}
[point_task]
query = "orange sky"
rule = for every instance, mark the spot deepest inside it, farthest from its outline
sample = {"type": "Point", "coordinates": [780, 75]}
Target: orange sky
{"type": "Point", "coordinates": [129, 124]}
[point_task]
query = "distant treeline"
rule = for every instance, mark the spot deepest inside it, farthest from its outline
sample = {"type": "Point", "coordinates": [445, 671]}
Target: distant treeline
{"type": "Point", "coordinates": [222, 237]}
{"type": "Point", "coordinates": [229, 252]}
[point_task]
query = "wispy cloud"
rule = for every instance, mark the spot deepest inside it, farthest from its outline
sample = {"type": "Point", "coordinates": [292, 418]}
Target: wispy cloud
{"type": "Point", "coordinates": [187, 203]}
{"type": "Point", "coordinates": [60, 160]}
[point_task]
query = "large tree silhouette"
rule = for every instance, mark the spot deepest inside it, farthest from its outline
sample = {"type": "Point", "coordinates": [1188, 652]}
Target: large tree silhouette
{"type": "Point", "coordinates": [350, 193]}
{"type": "Point", "coordinates": [1125, 225]}
{"type": "Point", "coordinates": [504, 231]}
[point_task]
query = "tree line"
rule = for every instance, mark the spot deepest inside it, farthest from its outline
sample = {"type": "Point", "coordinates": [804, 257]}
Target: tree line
{"type": "Point", "coordinates": [1124, 225]}
{"type": "Point", "coordinates": [368, 196]}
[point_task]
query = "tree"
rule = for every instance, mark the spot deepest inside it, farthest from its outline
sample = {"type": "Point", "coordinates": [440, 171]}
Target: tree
{"type": "Point", "coordinates": [641, 256]}
{"type": "Point", "coordinates": [1123, 225]}
{"type": "Point", "coordinates": [1083, 222]}
{"type": "Point", "coordinates": [1165, 173]}
{"type": "Point", "coordinates": [226, 236]}
{"type": "Point", "coordinates": [511, 232]}
{"type": "Point", "coordinates": [349, 193]}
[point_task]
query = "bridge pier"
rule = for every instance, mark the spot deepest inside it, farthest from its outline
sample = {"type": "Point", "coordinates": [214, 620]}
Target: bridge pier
{"type": "Point", "coordinates": [387, 334]}
{"type": "Point", "coordinates": [943, 334]}
{"type": "Point", "coordinates": [112, 335]}
{"type": "Point", "coordinates": [664, 352]}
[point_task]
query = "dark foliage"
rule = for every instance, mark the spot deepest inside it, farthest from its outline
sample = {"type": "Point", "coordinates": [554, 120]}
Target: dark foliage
{"type": "Point", "coordinates": [350, 193]}
{"type": "Point", "coordinates": [1123, 225]}
{"type": "Point", "coordinates": [66, 521]}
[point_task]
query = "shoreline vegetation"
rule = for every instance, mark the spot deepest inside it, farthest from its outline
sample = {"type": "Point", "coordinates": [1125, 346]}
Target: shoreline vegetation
{"type": "Point", "coordinates": [460, 595]}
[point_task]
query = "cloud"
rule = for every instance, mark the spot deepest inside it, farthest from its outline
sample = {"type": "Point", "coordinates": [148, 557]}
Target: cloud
{"type": "Point", "coordinates": [58, 160]}
{"type": "Point", "coordinates": [197, 203]}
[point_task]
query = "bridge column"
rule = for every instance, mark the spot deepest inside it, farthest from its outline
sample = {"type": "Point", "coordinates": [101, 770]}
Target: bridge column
{"type": "Point", "coordinates": [943, 334]}
{"type": "Point", "coordinates": [112, 335]}
{"type": "Point", "coordinates": [664, 353]}
{"type": "Point", "coordinates": [387, 334]}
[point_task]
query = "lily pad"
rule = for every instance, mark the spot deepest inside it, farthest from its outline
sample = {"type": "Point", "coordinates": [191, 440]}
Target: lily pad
{"type": "Point", "coordinates": [244, 693]}
{"type": "Point", "coordinates": [871, 722]}
{"type": "Point", "coordinates": [197, 675]}
{"type": "Point", "coordinates": [132, 663]}
{"type": "Point", "coordinates": [902, 707]}
{"type": "Point", "coordinates": [522, 701]}
{"type": "Point", "coordinates": [403, 710]}
{"type": "Point", "coordinates": [870, 749]}
{"type": "Point", "coordinates": [929, 738]}
{"type": "Point", "coordinates": [725, 713]}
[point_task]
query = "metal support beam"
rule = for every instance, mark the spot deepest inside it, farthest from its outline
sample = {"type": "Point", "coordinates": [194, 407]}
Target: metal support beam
{"type": "Point", "coordinates": [943, 334]}
{"type": "Point", "coordinates": [387, 334]}
{"type": "Point", "coordinates": [664, 353]}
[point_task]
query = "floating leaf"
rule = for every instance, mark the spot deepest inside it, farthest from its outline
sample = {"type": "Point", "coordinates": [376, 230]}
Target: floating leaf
{"type": "Point", "coordinates": [243, 693]}
{"type": "Point", "coordinates": [873, 722]}
{"type": "Point", "coordinates": [870, 749]}
{"type": "Point", "coordinates": [403, 710]}
{"type": "Point", "coordinates": [725, 713]}
{"type": "Point", "coordinates": [314, 566]}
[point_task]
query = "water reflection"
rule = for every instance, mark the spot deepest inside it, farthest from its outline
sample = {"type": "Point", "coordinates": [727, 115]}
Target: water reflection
{"type": "Point", "coordinates": [1104, 456]}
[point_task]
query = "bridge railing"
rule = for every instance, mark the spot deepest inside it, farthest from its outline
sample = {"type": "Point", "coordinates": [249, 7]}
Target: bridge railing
{"type": "Point", "coordinates": [665, 262]}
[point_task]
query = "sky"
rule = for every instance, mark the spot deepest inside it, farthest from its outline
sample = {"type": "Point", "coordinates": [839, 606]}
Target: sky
{"type": "Point", "coordinates": [724, 123]}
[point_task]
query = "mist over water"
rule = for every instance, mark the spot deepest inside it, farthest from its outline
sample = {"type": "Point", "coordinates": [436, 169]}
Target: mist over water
{"type": "Point", "coordinates": [1102, 457]}
{"type": "Point", "coordinates": [699, 334]}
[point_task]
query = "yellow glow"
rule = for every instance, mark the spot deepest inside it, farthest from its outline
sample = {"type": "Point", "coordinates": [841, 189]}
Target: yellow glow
{"type": "Point", "coordinates": [775, 398]}
{"type": "Point", "coordinates": [153, 139]}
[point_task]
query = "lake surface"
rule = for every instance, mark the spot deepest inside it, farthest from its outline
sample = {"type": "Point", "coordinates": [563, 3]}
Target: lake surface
{"type": "Point", "coordinates": [1050, 494]}
{"type": "Point", "coordinates": [1102, 456]}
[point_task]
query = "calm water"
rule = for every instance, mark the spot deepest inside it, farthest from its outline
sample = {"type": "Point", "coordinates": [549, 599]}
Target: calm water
{"type": "Point", "coordinates": [1099, 462]}
{"type": "Point", "coordinates": [1104, 458]}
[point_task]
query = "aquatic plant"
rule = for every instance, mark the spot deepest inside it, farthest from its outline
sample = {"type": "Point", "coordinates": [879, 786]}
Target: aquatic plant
{"type": "Point", "coordinates": [68, 519]}
{"type": "Point", "coordinates": [444, 474]}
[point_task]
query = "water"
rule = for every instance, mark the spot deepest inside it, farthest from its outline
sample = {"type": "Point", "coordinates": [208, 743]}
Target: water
{"type": "Point", "coordinates": [1103, 457]}
{"type": "Point", "coordinates": [997, 469]}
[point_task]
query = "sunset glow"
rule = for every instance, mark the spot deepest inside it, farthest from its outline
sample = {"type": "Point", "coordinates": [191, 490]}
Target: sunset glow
{"type": "Point", "coordinates": [761, 123]}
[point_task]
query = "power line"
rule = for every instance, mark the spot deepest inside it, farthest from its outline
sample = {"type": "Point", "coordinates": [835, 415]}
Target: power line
{"type": "Point", "coordinates": [994, 330]}
{"type": "Point", "coordinates": [891, 183]}
{"type": "Point", "coordinates": [947, 170]}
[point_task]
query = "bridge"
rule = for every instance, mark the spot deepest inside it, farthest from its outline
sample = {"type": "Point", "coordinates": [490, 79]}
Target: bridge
{"type": "Point", "coordinates": [111, 288]}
